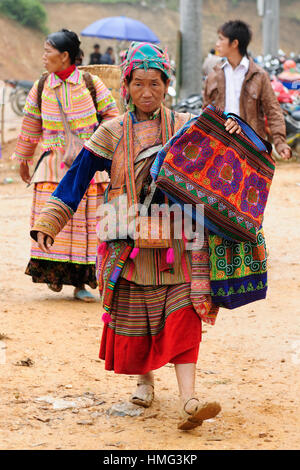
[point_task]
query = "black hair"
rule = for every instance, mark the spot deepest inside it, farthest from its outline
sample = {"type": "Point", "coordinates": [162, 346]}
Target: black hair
{"type": "Point", "coordinates": [79, 57]}
{"type": "Point", "coordinates": [237, 30]}
{"type": "Point", "coordinates": [96, 45]}
{"type": "Point", "coordinates": [65, 41]}
{"type": "Point", "coordinates": [212, 51]}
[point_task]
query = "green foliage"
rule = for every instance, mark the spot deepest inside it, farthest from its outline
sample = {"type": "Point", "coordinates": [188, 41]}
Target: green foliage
{"type": "Point", "coordinates": [29, 13]}
{"type": "Point", "coordinates": [172, 4]}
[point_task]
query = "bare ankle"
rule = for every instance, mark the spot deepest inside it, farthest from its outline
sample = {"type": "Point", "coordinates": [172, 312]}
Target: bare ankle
{"type": "Point", "coordinates": [147, 379]}
{"type": "Point", "coordinates": [189, 403]}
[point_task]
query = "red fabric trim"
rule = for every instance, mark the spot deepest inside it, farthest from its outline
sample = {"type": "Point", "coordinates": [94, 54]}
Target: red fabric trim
{"type": "Point", "coordinates": [178, 341]}
{"type": "Point", "coordinates": [64, 74]}
{"type": "Point", "coordinates": [188, 357]}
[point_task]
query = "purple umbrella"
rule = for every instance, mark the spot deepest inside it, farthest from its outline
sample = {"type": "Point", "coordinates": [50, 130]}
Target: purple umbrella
{"type": "Point", "coordinates": [122, 28]}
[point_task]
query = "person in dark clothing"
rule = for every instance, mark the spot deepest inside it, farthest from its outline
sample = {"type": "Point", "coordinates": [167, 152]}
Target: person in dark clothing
{"type": "Point", "coordinates": [95, 57]}
{"type": "Point", "coordinates": [107, 58]}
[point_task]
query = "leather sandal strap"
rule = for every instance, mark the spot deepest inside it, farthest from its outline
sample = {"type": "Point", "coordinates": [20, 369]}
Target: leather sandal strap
{"type": "Point", "coordinates": [144, 383]}
{"type": "Point", "coordinates": [187, 403]}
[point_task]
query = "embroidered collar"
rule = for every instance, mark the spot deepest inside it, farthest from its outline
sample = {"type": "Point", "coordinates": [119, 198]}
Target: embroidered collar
{"type": "Point", "coordinates": [153, 116]}
{"type": "Point", "coordinates": [74, 78]}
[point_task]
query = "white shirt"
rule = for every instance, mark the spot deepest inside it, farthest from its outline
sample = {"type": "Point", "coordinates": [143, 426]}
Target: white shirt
{"type": "Point", "coordinates": [234, 80]}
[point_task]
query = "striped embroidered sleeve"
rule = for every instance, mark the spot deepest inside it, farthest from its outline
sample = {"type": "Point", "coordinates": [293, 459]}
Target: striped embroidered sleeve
{"type": "Point", "coordinates": [68, 194]}
{"type": "Point", "coordinates": [52, 219]}
{"type": "Point", "coordinates": [106, 104]}
{"type": "Point", "coordinates": [31, 130]}
{"type": "Point", "coordinates": [105, 139]}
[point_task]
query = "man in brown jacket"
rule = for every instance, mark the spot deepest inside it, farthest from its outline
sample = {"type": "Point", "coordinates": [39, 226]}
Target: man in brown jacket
{"type": "Point", "coordinates": [238, 85]}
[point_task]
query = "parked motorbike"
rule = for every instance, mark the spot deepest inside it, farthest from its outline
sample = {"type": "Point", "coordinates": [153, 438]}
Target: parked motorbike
{"type": "Point", "coordinates": [273, 65]}
{"type": "Point", "coordinates": [18, 95]}
{"type": "Point", "coordinates": [292, 124]}
{"type": "Point", "coordinates": [289, 100]}
{"type": "Point", "coordinates": [192, 104]}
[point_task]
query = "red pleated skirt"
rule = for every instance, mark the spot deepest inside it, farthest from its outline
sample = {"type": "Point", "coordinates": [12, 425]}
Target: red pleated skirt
{"type": "Point", "coordinates": [151, 326]}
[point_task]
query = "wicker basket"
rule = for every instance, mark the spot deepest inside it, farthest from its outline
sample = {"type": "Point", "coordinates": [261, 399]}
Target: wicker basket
{"type": "Point", "coordinates": [111, 77]}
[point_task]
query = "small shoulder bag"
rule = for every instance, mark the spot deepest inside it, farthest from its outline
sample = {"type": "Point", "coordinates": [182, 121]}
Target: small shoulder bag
{"type": "Point", "coordinates": [73, 144]}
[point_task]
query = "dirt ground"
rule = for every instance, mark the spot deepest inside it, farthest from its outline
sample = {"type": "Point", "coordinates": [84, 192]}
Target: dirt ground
{"type": "Point", "coordinates": [249, 360]}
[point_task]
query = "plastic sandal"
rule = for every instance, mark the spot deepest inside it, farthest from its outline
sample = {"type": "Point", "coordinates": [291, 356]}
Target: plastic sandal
{"type": "Point", "coordinates": [84, 295]}
{"type": "Point", "coordinates": [144, 399]}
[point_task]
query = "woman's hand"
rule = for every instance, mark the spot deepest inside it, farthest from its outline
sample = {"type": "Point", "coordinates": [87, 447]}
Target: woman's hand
{"type": "Point", "coordinates": [24, 172]}
{"type": "Point", "coordinates": [286, 153]}
{"type": "Point", "coordinates": [44, 242]}
{"type": "Point", "coordinates": [232, 126]}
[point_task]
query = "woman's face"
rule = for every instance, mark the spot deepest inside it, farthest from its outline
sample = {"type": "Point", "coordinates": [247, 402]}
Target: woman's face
{"type": "Point", "coordinates": [54, 60]}
{"type": "Point", "coordinates": [147, 89]}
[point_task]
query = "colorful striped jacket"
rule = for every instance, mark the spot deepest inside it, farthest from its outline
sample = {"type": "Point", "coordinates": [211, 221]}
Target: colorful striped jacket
{"type": "Point", "coordinates": [45, 125]}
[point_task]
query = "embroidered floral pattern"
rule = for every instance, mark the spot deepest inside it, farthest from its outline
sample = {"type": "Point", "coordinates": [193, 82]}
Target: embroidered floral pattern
{"type": "Point", "coordinates": [254, 195]}
{"type": "Point", "coordinates": [226, 173]}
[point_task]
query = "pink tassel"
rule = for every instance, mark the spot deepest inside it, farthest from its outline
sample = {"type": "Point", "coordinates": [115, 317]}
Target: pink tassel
{"type": "Point", "coordinates": [62, 165]}
{"type": "Point", "coordinates": [92, 181]}
{"type": "Point", "coordinates": [184, 239]}
{"type": "Point", "coordinates": [170, 258]}
{"type": "Point", "coordinates": [101, 248]}
{"type": "Point", "coordinates": [134, 253]}
{"type": "Point", "coordinates": [97, 227]}
{"type": "Point", "coordinates": [106, 318]}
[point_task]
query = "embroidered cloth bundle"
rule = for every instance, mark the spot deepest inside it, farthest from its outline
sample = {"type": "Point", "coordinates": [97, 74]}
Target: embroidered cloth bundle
{"type": "Point", "coordinates": [229, 174]}
{"type": "Point", "coordinates": [238, 271]}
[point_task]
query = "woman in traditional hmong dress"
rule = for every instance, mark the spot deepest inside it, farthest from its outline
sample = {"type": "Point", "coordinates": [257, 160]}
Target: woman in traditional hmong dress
{"type": "Point", "coordinates": [72, 260]}
{"type": "Point", "coordinates": [150, 319]}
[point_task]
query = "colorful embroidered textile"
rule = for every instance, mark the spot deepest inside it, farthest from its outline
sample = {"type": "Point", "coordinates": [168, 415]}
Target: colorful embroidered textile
{"type": "Point", "coordinates": [77, 241]}
{"type": "Point", "coordinates": [200, 285]}
{"type": "Point", "coordinates": [66, 199]}
{"type": "Point", "coordinates": [238, 271]}
{"type": "Point", "coordinates": [108, 141]}
{"type": "Point", "coordinates": [46, 125]}
{"type": "Point", "coordinates": [114, 260]}
{"type": "Point", "coordinates": [144, 135]}
{"type": "Point", "coordinates": [110, 270]}
{"type": "Point", "coordinates": [224, 172]}
{"type": "Point", "coordinates": [154, 259]}
{"type": "Point", "coordinates": [105, 140]}
{"type": "Point", "coordinates": [61, 273]}
{"type": "Point", "coordinates": [150, 327]}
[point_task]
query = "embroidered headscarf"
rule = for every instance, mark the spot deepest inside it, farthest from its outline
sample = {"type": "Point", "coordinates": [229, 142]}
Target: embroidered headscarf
{"type": "Point", "coordinates": [143, 55]}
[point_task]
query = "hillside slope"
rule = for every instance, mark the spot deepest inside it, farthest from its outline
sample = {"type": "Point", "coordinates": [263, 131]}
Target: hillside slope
{"type": "Point", "coordinates": [20, 51]}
